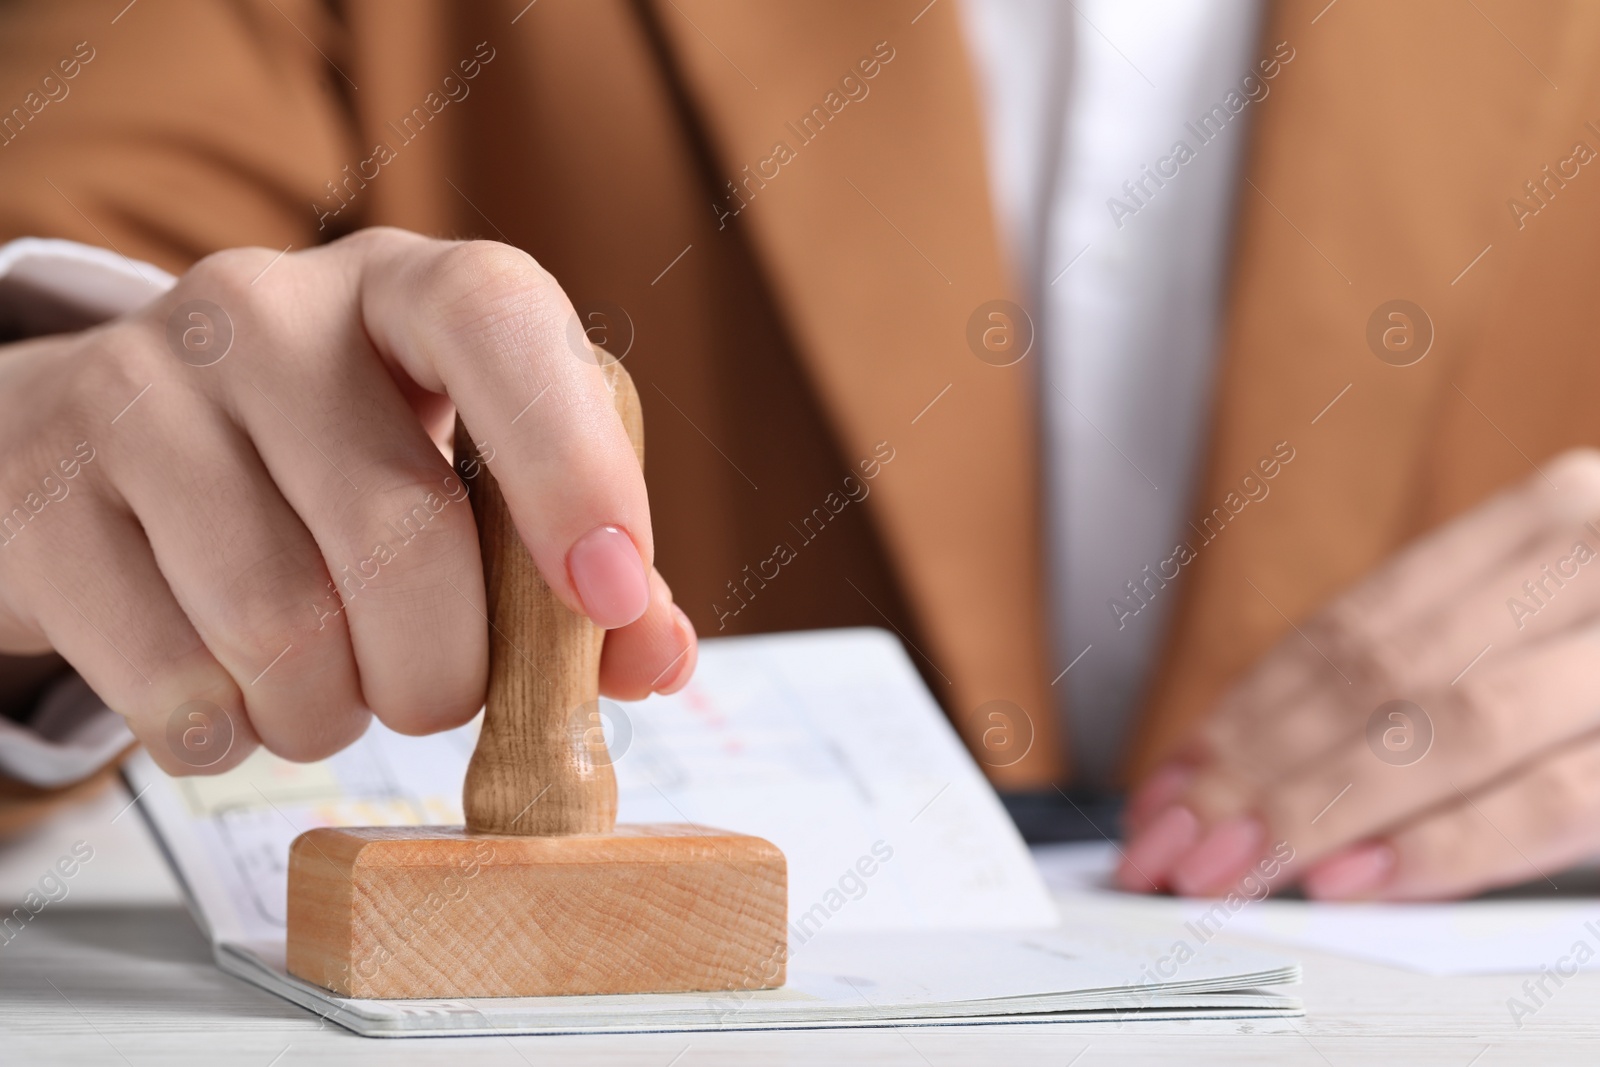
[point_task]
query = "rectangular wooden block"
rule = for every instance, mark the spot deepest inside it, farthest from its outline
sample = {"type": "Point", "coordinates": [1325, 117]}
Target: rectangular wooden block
{"type": "Point", "coordinates": [435, 912]}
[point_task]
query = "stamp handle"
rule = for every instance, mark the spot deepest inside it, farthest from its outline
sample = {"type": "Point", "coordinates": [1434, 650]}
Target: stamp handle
{"type": "Point", "coordinates": [541, 766]}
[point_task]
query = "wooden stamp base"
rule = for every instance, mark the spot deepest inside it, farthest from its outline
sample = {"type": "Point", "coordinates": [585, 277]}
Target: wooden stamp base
{"type": "Point", "coordinates": [435, 912]}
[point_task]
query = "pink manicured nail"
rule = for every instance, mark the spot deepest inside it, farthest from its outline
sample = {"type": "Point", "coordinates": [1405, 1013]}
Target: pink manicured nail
{"type": "Point", "coordinates": [1352, 873]}
{"type": "Point", "coordinates": [1224, 855]}
{"type": "Point", "coordinates": [1158, 791]}
{"type": "Point", "coordinates": [679, 672]}
{"type": "Point", "coordinates": [609, 576]}
{"type": "Point", "coordinates": [1149, 854]}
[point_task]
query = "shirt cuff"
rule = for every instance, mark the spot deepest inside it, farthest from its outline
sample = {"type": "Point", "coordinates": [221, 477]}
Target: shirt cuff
{"type": "Point", "coordinates": [47, 285]}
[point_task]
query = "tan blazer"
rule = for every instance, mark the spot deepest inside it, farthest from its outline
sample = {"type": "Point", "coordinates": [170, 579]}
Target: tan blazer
{"type": "Point", "coordinates": [789, 203]}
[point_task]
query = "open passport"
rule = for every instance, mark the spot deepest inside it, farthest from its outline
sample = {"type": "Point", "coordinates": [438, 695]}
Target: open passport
{"type": "Point", "coordinates": [912, 898]}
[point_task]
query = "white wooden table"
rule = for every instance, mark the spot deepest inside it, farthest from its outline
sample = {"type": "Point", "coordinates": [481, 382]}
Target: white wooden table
{"type": "Point", "coordinates": [117, 974]}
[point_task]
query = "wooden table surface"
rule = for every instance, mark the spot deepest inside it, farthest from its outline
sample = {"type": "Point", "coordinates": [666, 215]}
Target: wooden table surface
{"type": "Point", "coordinates": [118, 974]}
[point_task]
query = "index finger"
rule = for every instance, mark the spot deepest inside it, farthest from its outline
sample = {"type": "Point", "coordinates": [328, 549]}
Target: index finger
{"type": "Point", "coordinates": [486, 325]}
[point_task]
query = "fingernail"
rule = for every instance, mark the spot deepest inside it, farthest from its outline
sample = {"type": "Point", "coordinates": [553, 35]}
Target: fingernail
{"type": "Point", "coordinates": [609, 576]}
{"type": "Point", "coordinates": [1158, 791]}
{"type": "Point", "coordinates": [1225, 853]}
{"type": "Point", "coordinates": [683, 668]}
{"type": "Point", "coordinates": [1352, 873]}
{"type": "Point", "coordinates": [1149, 855]}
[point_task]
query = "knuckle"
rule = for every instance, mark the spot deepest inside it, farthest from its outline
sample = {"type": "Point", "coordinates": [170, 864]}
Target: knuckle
{"type": "Point", "coordinates": [1217, 794]}
{"type": "Point", "coordinates": [440, 703]}
{"type": "Point", "coordinates": [253, 640]}
{"type": "Point", "coordinates": [408, 502]}
{"type": "Point", "coordinates": [111, 366]}
{"type": "Point", "coordinates": [234, 292]}
{"type": "Point", "coordinates": [112, 358]}
{"type": "Point", "coordinates": [1476, 728]}
{"type": "Point", "coordinates": [372, 239]}
{"type": "Point", "coordinates": [310, 737]}
{"type": "Point", "coordinates": [485, 285]}
{"type": "Point", "coordinates": [1576, 475]}
{"type": "Point", "coordinates": [267, 607]}
{"type": "Point", "coordinates": [194, 676]}
{"type": "Point", "coordinates": [1580, 466]}
{"type": "Point", "coordinates": [1560, 795]}
{"type": "Point", "coordinates": [439, 684]}
{"type": "Point", "coordinates": [226, 276]}
{"type": "Point", "coordinates": [190, 695]}
{"type": "Point", "coordinates": [1346, 630]}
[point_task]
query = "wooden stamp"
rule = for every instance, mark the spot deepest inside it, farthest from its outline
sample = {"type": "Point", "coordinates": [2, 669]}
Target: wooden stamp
{"type": "Point", "coordinates": [540, 894]}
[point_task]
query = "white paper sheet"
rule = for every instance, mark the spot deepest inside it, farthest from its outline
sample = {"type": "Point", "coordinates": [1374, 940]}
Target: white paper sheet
{"type": "Point", "coordinates": [1493, 936]}
{"type": "Point", "coordinates": [850, 978]}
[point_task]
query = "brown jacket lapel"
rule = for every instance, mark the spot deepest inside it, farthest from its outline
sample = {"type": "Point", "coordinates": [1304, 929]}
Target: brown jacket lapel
{"type": "Point", "coordinates": [878, 241]}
